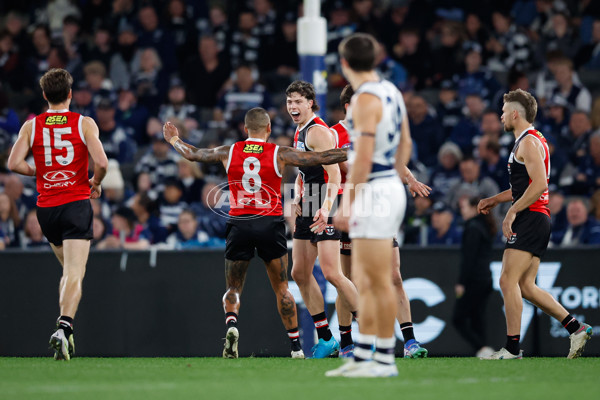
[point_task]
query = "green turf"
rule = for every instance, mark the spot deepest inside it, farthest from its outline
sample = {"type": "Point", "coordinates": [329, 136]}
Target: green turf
{"type": "Point", "coordinates": [287, 379]}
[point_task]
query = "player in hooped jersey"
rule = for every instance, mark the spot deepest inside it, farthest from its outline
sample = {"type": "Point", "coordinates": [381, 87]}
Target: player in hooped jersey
{"type": "Point", "coordinates": [316, 192]}
{"type": "Point", "coordinates": [527, 228]}
{"type": "Point", "coordinates": [373, 203]}
{"type": "Point", "coordinates": [412, 348]}
{"type": "Point", "coordinates": [60, 141]}
{"type": "Point", "coordinates": [254, 169]}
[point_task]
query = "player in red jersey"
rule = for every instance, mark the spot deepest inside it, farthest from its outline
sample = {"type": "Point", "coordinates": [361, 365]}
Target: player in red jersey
{"type": "Point", "coordinates": [412, 348]}
{"type": "Point", "coordinates": [316, 192]}
{"type": "Point", "coordinates": [256, 221]}
{"type": "Point", "coordinates": [60, 141]}
{"type": "Point", "coordinates": [527, 227]}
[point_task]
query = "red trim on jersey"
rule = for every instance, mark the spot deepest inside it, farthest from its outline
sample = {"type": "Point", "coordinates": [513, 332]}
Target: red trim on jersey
{"type": "Point", "coordinates": [61, 158]}
{"type": "Point", "coordinates": [541, 204]}
{"type": "Point", "coordinates": [343, 140]}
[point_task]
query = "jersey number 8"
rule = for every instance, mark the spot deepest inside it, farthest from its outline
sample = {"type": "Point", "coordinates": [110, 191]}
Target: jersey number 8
{"type": "Point", "coordinates": [251, 180]}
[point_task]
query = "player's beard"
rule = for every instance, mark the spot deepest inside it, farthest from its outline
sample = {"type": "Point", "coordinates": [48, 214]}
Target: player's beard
{"type": "Point", "coordinates": [508, 128]}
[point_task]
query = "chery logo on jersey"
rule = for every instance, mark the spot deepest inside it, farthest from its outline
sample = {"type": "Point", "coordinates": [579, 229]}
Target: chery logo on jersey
{"type": "Point", "coordinates": [220, 200]}
{"type": "Point", "coordinates": [56, 120]}
{"type": "Point", "coordinates": [253, 148]}
{"type": "Point", "coordinates": [59, 176]}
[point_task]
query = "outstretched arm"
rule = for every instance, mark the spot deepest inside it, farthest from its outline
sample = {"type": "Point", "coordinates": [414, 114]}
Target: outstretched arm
{"type": "Point", "coordinates": [291, 156]}
{"type": "Point", "coordinates": [16, 159]}
{"type": "Point", "coordinates": [191, 153]}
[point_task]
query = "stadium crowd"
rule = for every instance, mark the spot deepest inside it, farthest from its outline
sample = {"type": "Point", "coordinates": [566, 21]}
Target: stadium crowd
{"type": "Point", "coordinates": [202, 65]}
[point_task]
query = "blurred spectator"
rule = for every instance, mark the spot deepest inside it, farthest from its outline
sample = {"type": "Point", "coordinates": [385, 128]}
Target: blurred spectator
{"type": "Point", "coordinates": [72, 41]}
{"type": "Point", "coordinates": [217, 27]}
{"type": "Point", "coordinates": [446, 173]}
{"type": "Point", "coordinates": [242, 96]}
{"type": "Point", "coordinates": [118, 141]}
{"type": "Point", "coordinates": [474, 284]}
{"type": "Point", "coordinates": [587, 178]}
{"type": "Point", "coordinates": [589, 55]}
{"type": "Point", "coordinates": [151, 81]}
{"type": "Point", "coordinates": [9, 122]}
{"type": "Point", "coordinates": [449, 109]}
{"type": "Point", "coordinates": [577, 96]}
{"type": "Point", "coordinates": [390, 69]}
{"type": "Point", "coordinates": [491, 126]}
{"type": "Point", "coordinates": [414, 55]}
{"type": "Point", "coordinates": [417, 221]}
{"type": "Point", "coordinates": [205, 73]}
{"type": "Point", "coordinates": [472, 183]}
{"type": "Point", "coordinates": [147, 214]}
{"type": "Point", "coordinates": [279, 61]}
{"type": "Point", "coordinates": [476, 78]}
{"type": "Point", "coordinates": [391, 23]}
{"type": "Point", "coordinates": [245, 41]}
{"type": "Point", "coordinates": [447, 59]}
{"type": "Point", "coordinates": [12, 62]}
{"type": "Point", "coordinates": [160, 162]}
{"type": "Point", "coordinates": [339, 26]}
{"type": "Point", "coordinates": [56, 12]}
{"type": "Point", "coordinates": [580, 130]}
{"type": "Point", "coordinates": [475, 32]}
{"type": "Point", "coordinates": [9, 221]}
{"type": "Point", "coordinates": [125, 62]}
{"type": "Point", "coordinates": [95, 77]}
{"type": "Point", "coordinates": [101, 47]}
{"type": "Point", "coordinates": [2, 242]}
{"type": "Point", "coordinates": [516, 80]}
{"type": "Point", "coordinates": [151, 35]}
{"type": "Point", "coordinates": [215, 225]}
{"type": "Point", "coordinates": [581, 228]}
{"type": "Point", "coordinates": [123, 14]}
{"type": "Point", "coordinates": [266, 19]}
{"type": "Point", "coordinates": [426, 131]}
{"type": "Point", "coordinates": [81, 101]}
{"type": "Point", "coordinates": [99, 227]}
{"type": "Point", "coordinates": [442, 231]}
{"type": "Point", "coordinates": [191, 179]}
{"type": "Point", "coordinates": [561, 37]}
{"type": "Point", "coordinates": [177, 107]}
{"type": "Point", "coordinates": [187, 235]}
{"type": "Point", "coordinates": [465, 132]}
{"type": "Point", "coordinates": [492, 164]}
{"type": "Point", "coordinates": [595, 206]}
{"type": "Point", "coordinates": [126, 234]}
{"type": "Point", "coordinates": [132, 116]}
{"type": "Point", "coordinates": [508, 45]}
{"type": "Point", "coordinates": [171, 203]}
{"type": "Point", "coordinates": [181, 26]}
{"type": "Point", "coordinates": [40, 37]}
{"type": "Point", "coordinates": [113, 189]}
{"type": "Point", "coordinates": [555, 121]}
{"type": "Point", "coordinates": [558, 210]}
{"type": "Point", "coordinates": [33, 236]}
{"type": "Point", "coordinates": [363, 15]}
{"type": "Point", "coordinates": [15, 189]}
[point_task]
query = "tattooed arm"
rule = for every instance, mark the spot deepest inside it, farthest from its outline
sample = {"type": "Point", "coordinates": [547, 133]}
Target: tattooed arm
{"type": "Point", "coordinates": [191, 153]}
{"type": "Point", "coordinates": [290, 156]}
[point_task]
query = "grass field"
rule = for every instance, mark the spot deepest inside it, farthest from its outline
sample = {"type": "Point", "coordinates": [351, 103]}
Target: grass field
{"type": "Point", "coordinates": [281, 378]}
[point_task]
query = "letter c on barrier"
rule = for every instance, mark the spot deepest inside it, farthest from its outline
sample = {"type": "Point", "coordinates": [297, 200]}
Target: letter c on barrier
{"type": "Point", "coordinates": [430, 294]}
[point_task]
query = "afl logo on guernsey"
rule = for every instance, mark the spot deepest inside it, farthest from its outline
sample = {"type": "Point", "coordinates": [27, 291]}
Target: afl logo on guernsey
{"type": "Point", "coordinates": [253, 148]}
{"type": "Point", "coordinates": [59, 176]}
{"type": "Point", "coordinates": [56, 120]}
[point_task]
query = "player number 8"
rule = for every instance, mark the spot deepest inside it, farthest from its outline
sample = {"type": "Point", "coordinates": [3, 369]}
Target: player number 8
{"type": "Point", "coordinates": [251, 180]}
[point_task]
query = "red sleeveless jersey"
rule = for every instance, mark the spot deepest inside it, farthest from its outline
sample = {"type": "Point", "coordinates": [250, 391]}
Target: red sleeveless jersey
{"type": "Point", "coordinates": [519, 177]}
{"type": "Point", "coordinates": [342, 140]}
{"type": "Point", "coordinates": [254, 178]}
{"type": "Point", "coordinates": [61, 158]}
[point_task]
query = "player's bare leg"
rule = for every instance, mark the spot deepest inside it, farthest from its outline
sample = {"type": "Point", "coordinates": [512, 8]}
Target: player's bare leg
{"type": "Point", "coordinates": [235, 276]}
{"type": "Point", "coordinates": [344, 313]}
{"type": "Point", "coordinates": [277, 271]}
{"type": "Point", "coordinates": [329, 259]}
{"type": "Point", "coordinates": [72, 255]}
{"type": "Point", "coordinates": [579, 332]}
{"type": "Point", "coordinates": [412, 348]}
{"type": "Point", "coordinates": [304, 255]}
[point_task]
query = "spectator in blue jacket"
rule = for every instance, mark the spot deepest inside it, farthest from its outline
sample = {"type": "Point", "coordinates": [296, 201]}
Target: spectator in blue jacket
{"type": "Point", "coordinates": [581, 228]}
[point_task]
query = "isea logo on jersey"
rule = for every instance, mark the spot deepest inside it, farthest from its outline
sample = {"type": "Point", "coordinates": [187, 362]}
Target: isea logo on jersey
{"type": "Point", "coordinates": [253, 148]}
{"type": "Point", "coordinates": [56, 120]}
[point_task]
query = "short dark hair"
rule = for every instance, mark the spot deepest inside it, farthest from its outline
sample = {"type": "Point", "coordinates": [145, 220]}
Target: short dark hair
{"type": "Point", "coordinates": [56, 84]}
{"type": "Point", "coordinates": [257, 119]}
{"type": "Point", "coordinates": [359, 50]}
{"type": "Point", "coordinates": [346, 96]}
{"type": "Point", "coordinates": [526, 100]}
{"type": "Point", "coordinates": [304, 89]}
